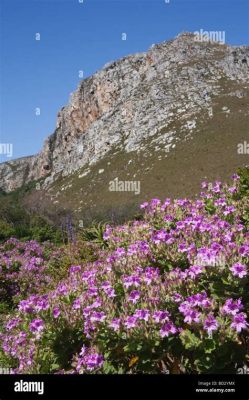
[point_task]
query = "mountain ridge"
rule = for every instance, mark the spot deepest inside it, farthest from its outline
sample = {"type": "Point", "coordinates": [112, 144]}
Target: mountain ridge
{"type": "Point", "coordinates": [140, 118]}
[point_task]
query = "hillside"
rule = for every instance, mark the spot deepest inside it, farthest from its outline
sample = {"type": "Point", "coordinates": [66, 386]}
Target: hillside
{"type": "Point", "coordinates": [165, 119]}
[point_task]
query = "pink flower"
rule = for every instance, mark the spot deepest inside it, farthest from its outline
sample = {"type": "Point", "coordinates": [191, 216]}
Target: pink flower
{"type": "Point", "coordinates": [115, 324]}
{"type": "Point", "coordinates": [144, 205]}
{"type": "Point", "coordinates": [177, 297]}
{"type": "Point", "coordinates": [97, 316]}
{"type": "Point", "coordinates": [74, 269]}
{"type": "Point", "coordinates": [232, 307]}
{"type": "Point", "coordinates": [130, 322]}
{"type": "Point", "coordinates": [142, 315]}
{"type": "Point", "coordinates": [56, 312]}
{"type": "Point", "coordinates": [239, 270]}
{"type": "Point", "coordinates": [36, 326]}
{"type": "Point", "coordinates": [210, 324]}
{"type": "Point", "coordinates": [134, 296]}
{"type": "Point", "coordinates": [192, 316]}
{"type": "Point", "coordinates": [239, 322]}
{"type": "Point", "coordinates": [204, 185]}
{"type": "Point", "coordinates": [161, 316]}
{"type": "Point", "coordinates": [167, 329]}
{"type": "Point", "coordinates": [132, 280]}
{"type": "Point", "coordinates": [194, 271]}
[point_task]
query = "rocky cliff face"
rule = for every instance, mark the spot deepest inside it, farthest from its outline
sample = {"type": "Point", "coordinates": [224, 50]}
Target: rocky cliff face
{"type": "Point", "coordinates": [155, 97]}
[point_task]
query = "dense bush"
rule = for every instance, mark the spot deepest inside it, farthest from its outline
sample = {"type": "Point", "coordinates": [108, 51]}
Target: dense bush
{"type": "Point", "coordinates": [31, 268]}
{"type": "Point", "coordinates": [168, 293]}
{"type": "Point", "coordinates": [15, 221]}
{"type": "Point", "coordinates": [23, 270]}
{"type": "Point", "coordinates": [6, 230]}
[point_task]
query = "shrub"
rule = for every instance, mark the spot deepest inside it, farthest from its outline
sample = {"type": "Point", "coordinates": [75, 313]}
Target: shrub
{"type": "Point", "coordinates": [6, 230]}
{"type": "Point", "coordinates": [168, 293]}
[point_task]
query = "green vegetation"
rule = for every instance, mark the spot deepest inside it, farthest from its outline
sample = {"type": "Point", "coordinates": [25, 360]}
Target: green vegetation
{"type": "Point", "coordinates": [15, 221]}
{"type": "Point", "coordinates": [167, 292]}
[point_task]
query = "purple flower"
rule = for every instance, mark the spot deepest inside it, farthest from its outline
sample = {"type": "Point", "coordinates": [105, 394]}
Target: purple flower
{"type": "Point", "coordinates": [197, 299]}
{"type": "Point", "coordinates": [87, 275]}
{"type": "Point", "coordinates": [155, 202]}
{"type": "Point", "coordinates": [98, 316]}
{"type": "Point", "coordinates": [89, 360]}
{"type": "Point", "coordinates": [96, 304]}
{"type": "Point", "coordinates": [36, 326]}
{"type": "Point", "coordinates": [130, 322]}
{"type": "Point", "coordinates": [42, 304]}
{"type": "Point", "coordinates": [161, 316]}
{"type": "Point", "coordinates": [110, 292]}
{"type": "Point", "coordinates": [56, 312]}
{"type": "Point", "coordinates": [92, 291]}
{"type": "Point", "coordinates": [168, 218]}
{"type": "Point", "coordinates": [76, 304]}
{"type": "Point", "coordinates": [192, 316]}
{"type": "Point", "coordinates": [132, 280]}
{"type": "Point", "coordinates": [235, 177]}
{"type": "Point", "coordinates": [62, 289]}
{"type": "Point", "coordinates": [74, 268]}
{"type": "Point", "coordinates": [194, 271]}
{"type": "Point", "coordinates": [229, 210]}
{"type": "Point", "coordinates": [142, 314]}
{"type": "Point", "coordinates": [144, 248]}
{"type": "Point", "coordinates": [232, 307]}
{"type": "Point", "coordinates": [94, 361]}
{"type": "Point", "coordinates": [12, 323]}
{"type": "Point", "coordinates": [115, 324]}
{"type": "Point", "coordinates": [120, 252]}
{"type": "Point", "coordinates": [220, 202]}
{"type": "Point", "coordinates": [244, 250]}
{"type": "Point", "coordinates": [239, 322]}
{"type": "Point", "coordinates": [107, 232]}
{"type": "Point", "coordinates": [167, 329]}
{"type": "Point", "coordinates": [134, 296]}
{"type": "Point", "coordinates": [232, 189]}
{"type": "Point", "coordinates": [165, 204]}
{"type": "Point", "coordinates": [26, 306]}
{"type": "Point", "coordinates": [106, 285]}
{"type": "Point", "coordinates": [150, 274]}
{"type": "Point", "coordinates": [239, 270]}
{"type": "Point", "coordinates": [206, 303]}
{"type": "Point", "coordinates": [182, 248]}
{"type": "Point", "coordinates": [160, 236]}
{"type": "Point", "coordinates": [216, 187]}
{"type": "Point", "coordinates": [210, 324]}
{"type": "Point", "coordinates": [177, 297]}
{"type": "Point", "coordinates": [185, 307]}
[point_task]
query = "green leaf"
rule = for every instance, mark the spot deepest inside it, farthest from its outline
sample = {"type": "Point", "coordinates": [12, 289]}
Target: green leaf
{"type": "Point", "coordinates": [209, 345]}
{"type": "Point", "coordinates": [189, 339]}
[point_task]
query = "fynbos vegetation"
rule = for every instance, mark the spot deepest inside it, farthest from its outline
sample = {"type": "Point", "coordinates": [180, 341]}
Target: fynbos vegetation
{"type": "Point", "coordinates": [143, 297]}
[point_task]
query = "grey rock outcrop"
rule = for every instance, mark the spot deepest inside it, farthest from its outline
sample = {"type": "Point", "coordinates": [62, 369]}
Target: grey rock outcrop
{"type": "Point", "coordinates": [148, 96]}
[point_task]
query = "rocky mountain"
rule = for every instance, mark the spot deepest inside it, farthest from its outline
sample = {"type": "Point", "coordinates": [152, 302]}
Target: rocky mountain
{"type": "Point", "coordinates": [166, 119]}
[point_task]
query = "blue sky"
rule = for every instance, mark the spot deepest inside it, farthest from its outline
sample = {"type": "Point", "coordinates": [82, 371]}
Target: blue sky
{"type": "Point", "coordinates": [84, 36]}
